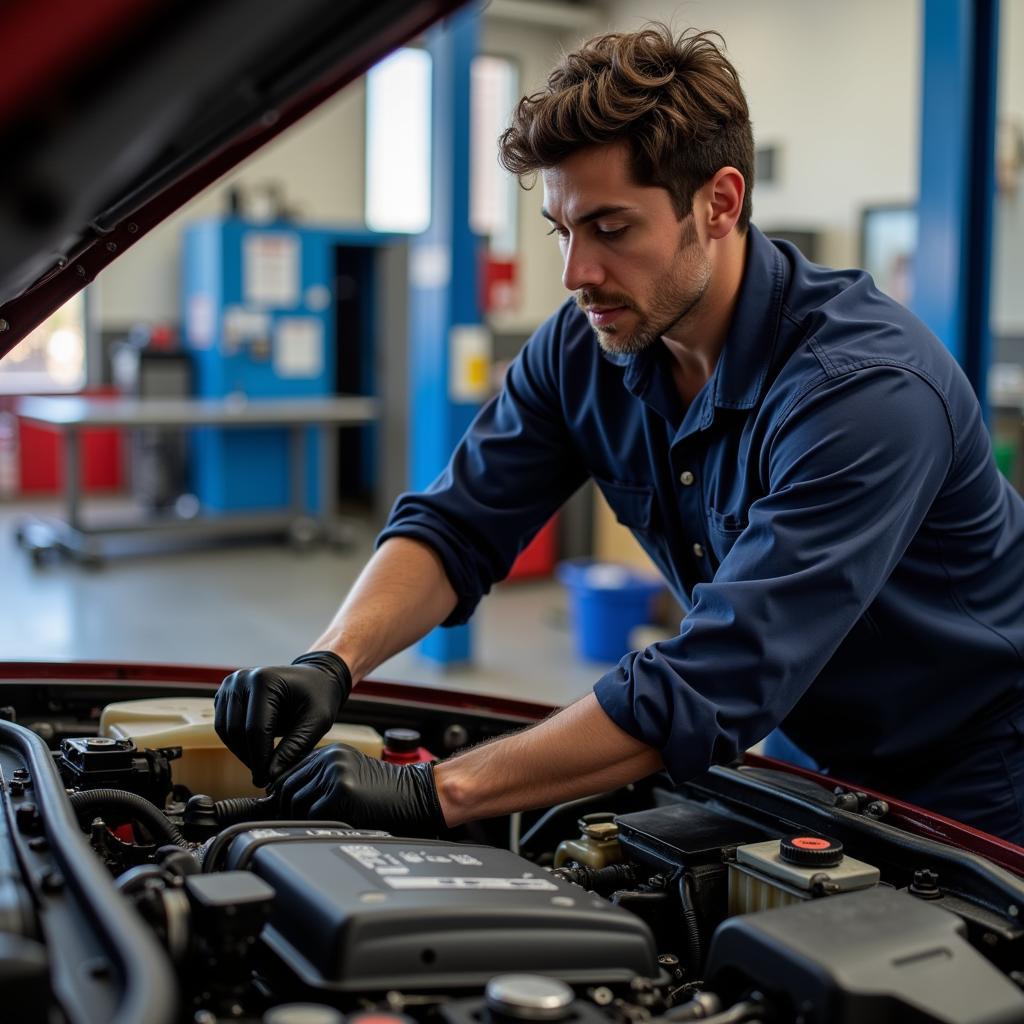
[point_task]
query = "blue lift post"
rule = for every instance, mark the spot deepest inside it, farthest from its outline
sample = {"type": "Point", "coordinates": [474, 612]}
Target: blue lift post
{"type": "Point", "coordinates": [444, 292]}
{"type": "Point", "coordinates": [952, 267]}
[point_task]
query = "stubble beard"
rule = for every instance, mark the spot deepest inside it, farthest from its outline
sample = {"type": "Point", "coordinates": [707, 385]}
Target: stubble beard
{"type": "Point", "coordinates": [676, 295]}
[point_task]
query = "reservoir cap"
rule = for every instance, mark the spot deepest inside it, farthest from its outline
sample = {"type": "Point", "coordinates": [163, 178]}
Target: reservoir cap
{"type": "Point", "coordinates": [811, 851]}
{"type": "Point", "coordinates": [402, 741]}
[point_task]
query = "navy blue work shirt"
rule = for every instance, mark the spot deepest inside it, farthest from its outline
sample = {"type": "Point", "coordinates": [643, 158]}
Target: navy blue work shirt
{"type": "Point", "coordinates": [827, 509]}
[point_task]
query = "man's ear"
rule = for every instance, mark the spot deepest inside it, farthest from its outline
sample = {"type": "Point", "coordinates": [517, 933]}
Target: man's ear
{"type": "Point", "coordinates": [724, 192]}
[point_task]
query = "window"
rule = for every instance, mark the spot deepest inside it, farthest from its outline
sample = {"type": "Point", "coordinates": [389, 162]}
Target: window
{"type": "Point", "coordinates": [888, 238]}
{"type": "Point", "coordinates": [398, 111]}
{"type": "Point", "coordinates": [493, 192]}
{"type": "Point", "coordinates": [52, 357]}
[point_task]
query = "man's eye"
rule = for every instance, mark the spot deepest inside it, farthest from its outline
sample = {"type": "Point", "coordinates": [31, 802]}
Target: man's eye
{"type": "Point", "coordinates": [610, 233]}
{"type": "Point", "coordinates": [558, 231]}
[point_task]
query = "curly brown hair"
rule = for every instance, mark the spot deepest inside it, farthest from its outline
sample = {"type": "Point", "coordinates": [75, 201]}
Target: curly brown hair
{"type": "Point", "coordinates": [677, 102]}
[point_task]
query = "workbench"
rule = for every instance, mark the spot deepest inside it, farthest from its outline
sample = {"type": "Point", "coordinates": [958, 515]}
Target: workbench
{"type": "Point", "coordinates": [88, 539]}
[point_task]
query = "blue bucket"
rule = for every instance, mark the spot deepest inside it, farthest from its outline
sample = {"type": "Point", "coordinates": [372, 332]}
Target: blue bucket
{"type": "Point", "coordinates": [606, 603]}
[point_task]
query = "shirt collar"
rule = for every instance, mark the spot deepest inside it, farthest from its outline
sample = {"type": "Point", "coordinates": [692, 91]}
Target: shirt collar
{"type": "Point", "coordinates": [750, 344]}
{"type": "Point", "coordinates": [739, 374]}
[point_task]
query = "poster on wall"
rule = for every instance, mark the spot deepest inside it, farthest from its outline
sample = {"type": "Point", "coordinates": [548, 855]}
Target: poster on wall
{"type": "Point", "coordinates": [298, 347]}
{"type": "Point", "coordinates": [270, 269]}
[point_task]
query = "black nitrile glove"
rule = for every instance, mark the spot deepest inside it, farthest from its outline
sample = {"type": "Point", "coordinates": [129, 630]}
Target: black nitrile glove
{"type": "Point", "coordinates": [343, 784]}
{"type": "Point", "coordinates": [298, 702]}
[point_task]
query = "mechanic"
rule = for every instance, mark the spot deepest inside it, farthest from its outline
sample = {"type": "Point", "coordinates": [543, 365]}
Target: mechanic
{"type": "Point", "coordinates": [799, 455]}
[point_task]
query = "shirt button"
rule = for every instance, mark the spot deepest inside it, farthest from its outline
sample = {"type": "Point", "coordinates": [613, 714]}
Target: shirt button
{"type": "Point", "coordinates": [686, 478]}
{"type": "Point", "coordinates": [698, 550]}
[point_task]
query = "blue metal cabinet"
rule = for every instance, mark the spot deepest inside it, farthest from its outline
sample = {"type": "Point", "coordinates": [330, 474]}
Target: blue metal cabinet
{"type": "Point", "coordinates": [260, 319]}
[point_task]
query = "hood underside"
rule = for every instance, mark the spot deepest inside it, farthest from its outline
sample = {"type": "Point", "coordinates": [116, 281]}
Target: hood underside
{"type": "Point", "coordinates": [114, 114]}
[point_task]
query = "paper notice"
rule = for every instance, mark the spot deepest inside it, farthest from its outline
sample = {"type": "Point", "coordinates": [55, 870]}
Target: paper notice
{"type": "Point", "coordinates": [270, 268]}
{"type": "Point", "coordinates": [298, 347]}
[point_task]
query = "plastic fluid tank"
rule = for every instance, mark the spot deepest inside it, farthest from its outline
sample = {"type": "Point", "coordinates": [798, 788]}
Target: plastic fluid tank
{"type": "Point", "coordinates": [206, 765]}
{"type": "Point", "coordinates": [597, 845]}
{"type": "Point", "coordinates": [606, 602]}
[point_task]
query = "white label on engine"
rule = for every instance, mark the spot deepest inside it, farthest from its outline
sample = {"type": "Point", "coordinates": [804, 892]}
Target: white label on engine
{"type": "Point", "coordinates": [528, 884]}
{"type": "Point", "coordinates": [374, 859]}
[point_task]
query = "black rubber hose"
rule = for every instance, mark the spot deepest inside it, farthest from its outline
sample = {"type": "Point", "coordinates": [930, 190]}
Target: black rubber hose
{"type": "Point", "coordinates": [244, 808]}
{"type": "Point", "coordinates": [604, 881]}
{"type": "Point", "coordinates": [691, 927]}
{"type": "Point", "coordinates": [91, 801]}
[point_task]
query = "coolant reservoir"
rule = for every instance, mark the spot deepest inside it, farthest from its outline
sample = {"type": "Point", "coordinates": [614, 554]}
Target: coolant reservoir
{"type": "Point", "coordinates": [206, 765]}
{"type": "Point", "coordinates": [597, 845]}
{"type": "Point", "coordinates": [780, 872]}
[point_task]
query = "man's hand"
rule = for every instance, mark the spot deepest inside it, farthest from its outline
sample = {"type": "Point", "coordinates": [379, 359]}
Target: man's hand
{"type": "Point", "coordinates": [298, 702]}
{"type": "Point", "coordinates": [340, 783]}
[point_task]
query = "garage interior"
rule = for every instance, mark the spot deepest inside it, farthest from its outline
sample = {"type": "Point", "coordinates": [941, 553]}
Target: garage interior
{"type": "Point", "coordinates": [798, 801]}
{"type": "Point", "coordinates": [326, 184]}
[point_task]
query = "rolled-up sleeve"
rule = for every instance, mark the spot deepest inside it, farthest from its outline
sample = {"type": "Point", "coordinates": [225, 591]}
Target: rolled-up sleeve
{"type": "Point", "coordinates": [851, 471]}
{"type": "Point", "coordinates": [511, 471]}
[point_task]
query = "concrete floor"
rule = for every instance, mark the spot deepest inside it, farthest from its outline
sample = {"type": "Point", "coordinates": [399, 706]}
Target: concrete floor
{"type": "Point", "coordinates": [262, 604]}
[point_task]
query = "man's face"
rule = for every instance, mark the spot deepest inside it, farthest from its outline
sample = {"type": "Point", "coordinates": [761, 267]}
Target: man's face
{"type": "Point", "coordinates": [637, 270]}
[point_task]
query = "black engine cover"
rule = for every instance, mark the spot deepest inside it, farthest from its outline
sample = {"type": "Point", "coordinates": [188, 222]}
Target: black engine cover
{"type": "Point", "coordinates": [872, 957]}
{"type": "Point", "coordinates": [373, 913]}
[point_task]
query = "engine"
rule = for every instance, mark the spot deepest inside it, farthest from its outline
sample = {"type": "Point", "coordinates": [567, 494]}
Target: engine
{"type": "Point", "coordinates": [651, 905]}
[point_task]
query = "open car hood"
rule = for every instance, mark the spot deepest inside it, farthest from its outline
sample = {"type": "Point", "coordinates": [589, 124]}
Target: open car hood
{"type": "Point", "coordinates": [115, 113]}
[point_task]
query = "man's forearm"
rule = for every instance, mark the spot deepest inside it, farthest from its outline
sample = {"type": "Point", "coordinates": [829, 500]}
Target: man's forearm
{"type": "Point", "coordinates": [577, 752]}
{"type": "Point", "coordinates": [401, 594]}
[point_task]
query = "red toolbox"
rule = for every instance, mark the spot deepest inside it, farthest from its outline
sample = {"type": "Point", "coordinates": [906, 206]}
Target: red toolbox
{"type": "Point", "coordinates": [41, 457]}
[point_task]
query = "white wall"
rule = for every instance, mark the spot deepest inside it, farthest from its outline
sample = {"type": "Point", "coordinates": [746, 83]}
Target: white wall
{"type": "Point", "coordinates": [835, 85]}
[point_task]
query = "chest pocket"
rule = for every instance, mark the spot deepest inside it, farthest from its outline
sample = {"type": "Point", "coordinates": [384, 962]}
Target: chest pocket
{"type": "Point", "coordinates": [723, 532]}
{"type": "Point", "coordinates": [631, 503]}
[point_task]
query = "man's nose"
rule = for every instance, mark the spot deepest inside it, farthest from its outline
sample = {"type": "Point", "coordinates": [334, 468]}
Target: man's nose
{"type": "Point", "coordinates": [581, 269]}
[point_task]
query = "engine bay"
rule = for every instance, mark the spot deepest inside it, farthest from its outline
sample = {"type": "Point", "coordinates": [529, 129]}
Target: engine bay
{"type": "Point", "coordinates": [143, 878]}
